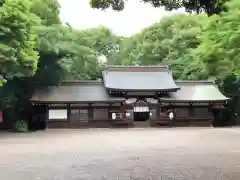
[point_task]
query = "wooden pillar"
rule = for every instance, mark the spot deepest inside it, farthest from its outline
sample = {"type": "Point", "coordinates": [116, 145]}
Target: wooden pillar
{"type": "Point", "coordinates": [210, 107]}
{"type": "Point", "coordinates": [45, 112]}
{"type": "Point", "coordinates": [109, 111]}
{"type": "Point", "coordinates": [210, 110]}
{"type": "Point", "coordinates": [191, 110]}
{"type": "Point", "coordinates": [121, 107]}
{"type": "Point", "coordinates": [158, 110]}
{"type": "Point", "coordinates": [69, 118]}
{"type": "Point", "coordinates": [90, 112]}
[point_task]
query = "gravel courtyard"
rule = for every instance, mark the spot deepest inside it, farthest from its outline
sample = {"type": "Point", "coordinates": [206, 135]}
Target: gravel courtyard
{"type": "Point", "coordinates": [124, 154]}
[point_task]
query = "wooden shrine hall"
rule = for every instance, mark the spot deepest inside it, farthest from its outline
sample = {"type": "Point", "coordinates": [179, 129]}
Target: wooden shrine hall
{"type": "Point", "coordinates": [131, 96]}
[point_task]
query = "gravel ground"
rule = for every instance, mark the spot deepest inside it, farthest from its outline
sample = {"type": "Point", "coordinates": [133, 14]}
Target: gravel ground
{"type": "Point", "coordinates": [124, 154]}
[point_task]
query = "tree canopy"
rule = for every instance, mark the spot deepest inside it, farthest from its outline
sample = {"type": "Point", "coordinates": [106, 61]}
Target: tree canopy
{"type": "Point", "coordinates": [18, 40]}
{"type": "Point", "coordinates": [166, 42]}
{"type": "Point", "coordinates": [47, 10]}
{"type": "Point", "coordinates": [220, 41]}
{"type": "Point", "coordinates": [208, 6]}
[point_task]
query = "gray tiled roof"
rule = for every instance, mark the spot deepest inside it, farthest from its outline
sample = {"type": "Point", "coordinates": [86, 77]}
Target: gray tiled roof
{"type": "Point", "coordinates": [149, 79]}
{"type": "Point", "coordinates": [87, 92]}
{"type": "Point", "coordinates": [81, 92]}
{"type": "Point", "coordinates": [196, 91]}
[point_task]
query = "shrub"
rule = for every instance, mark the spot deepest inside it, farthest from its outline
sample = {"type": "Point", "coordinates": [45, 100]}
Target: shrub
{"type": "Point", "coordinates": [20, 126]}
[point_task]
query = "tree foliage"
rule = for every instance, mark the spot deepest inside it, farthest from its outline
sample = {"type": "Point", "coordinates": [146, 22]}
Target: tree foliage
{"type": "Point", "coordinates": [166, 42]}
{"type": "Point", "coordinates": [102, 40]}
{"type": "Point", "coordinates": [220, 42]}
{"type": "Point", "coordinates": [47, 10]}
{"type": "Point", "coordinates": [64, 54]}
{"type": "Point", "coordinates": [117, 5]}
{"type": "Point", "coordinates": [18, 40]}
{"type": "Point", "coordinates": [208, 6]}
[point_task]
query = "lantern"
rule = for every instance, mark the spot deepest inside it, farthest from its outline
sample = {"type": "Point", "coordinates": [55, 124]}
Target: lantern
{"type": "Point", "coordinates": [114, 116]}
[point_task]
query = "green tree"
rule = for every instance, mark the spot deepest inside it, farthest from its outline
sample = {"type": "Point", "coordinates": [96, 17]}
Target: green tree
{"type": "Point", "coordinates": [21, 46]}
{"type": "Point", "coordinates": [208, 6]}
{"type": "Point", "coordinates": [166, 42]}
{"type": "Point", "coordinates": [219, 54]}
{"type": "Point", "coordinates": [220, 43]}
{"type": "Point", "coordinates": [47, 10]}
{"type": "Point", "coordinates": [101, 40]}
{"type": "Point", "coordinates": [62, 56]}
{"type": "Point", "coordinates": [18, 40]}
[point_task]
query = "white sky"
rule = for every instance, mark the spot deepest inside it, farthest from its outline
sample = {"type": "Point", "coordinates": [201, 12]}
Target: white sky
{"type": "Point", "coordinates": [131, 20]}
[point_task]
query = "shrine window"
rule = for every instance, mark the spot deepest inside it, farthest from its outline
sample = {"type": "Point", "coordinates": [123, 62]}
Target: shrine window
{"type": "Point", "coordinates": [79, 114]}
{"type": "Point", "coordinates": [100, 114]}
{"type": "Point", "coordinates": [57, 115]}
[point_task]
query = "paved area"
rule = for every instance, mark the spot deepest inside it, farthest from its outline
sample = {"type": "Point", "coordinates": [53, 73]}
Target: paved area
{"type": "Point", "coordinates": [122, 154]}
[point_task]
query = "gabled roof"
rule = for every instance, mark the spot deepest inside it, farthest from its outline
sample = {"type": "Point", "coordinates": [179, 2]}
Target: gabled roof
{"type": "Point", "coordinates": [196, 91]}
{"type": "Point", "coordinates": [139, 78]}
{"type": "Point", "coordinates": [74, 92]}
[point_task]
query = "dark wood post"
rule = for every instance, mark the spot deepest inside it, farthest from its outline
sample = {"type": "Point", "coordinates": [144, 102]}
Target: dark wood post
{"type": "Point", "coordinates": [191, 110]}
{"type": "Point", "coordinates": [210, 107]}
{"type": "Point", "coordinates": [90, 112]}
{"type": "Point", "coordinates": [158, 110]}
{"type": "Point", "coordinates": [69, 118]}
{"type": "Point", "coordinates": [109, 111]}
{"type": "Point", "coordinates": [210, 110]}
{"type": "Point", "coordinates": [46, 114]}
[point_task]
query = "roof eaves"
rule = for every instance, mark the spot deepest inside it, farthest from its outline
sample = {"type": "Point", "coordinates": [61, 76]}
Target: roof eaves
{"type": "Point", "coordinates": [76, 102]}
{"type": "Point", "coordinates": [140, 90]}
{"type": "Point", "coordinates": [81, 82]}
{"type": "Point", "coordinates": [193, 101]}
{"type": "Point", "coordinates": [180, 82]}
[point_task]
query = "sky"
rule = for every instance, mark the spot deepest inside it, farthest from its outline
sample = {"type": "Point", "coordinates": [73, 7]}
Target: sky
{"type": "Point", "coordinates": [131, 20]}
